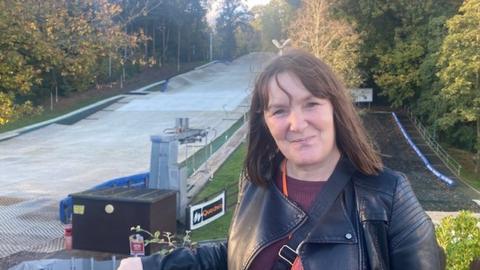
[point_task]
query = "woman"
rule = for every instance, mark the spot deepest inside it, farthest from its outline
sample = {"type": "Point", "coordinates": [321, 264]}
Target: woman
{"type": "Point", "coordinates": [315, 193]}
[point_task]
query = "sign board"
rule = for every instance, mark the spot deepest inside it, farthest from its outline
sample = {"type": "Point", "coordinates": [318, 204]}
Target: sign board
{"type": "Point", "coordinates": [206, 212]}
{"type": "Point", "coordinates": [362, 94]}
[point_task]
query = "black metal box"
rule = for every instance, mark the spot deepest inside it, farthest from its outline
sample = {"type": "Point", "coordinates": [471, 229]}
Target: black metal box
{"type": "Point", "coordinates": [102, 218]}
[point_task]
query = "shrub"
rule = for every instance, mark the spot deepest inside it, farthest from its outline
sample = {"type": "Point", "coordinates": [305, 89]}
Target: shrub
{"type": "Point", "coordinates": [460, 238]}
{"type": "Point", "coordinates": [168, 242]}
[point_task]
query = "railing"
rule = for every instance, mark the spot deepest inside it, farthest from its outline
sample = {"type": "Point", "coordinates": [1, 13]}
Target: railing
{"type": "Point", "coordinates": [194, 162]}
{"type": "Point", "coordinates": [448, 160]}
{"type": "Point", "coordinates": [231, 195]}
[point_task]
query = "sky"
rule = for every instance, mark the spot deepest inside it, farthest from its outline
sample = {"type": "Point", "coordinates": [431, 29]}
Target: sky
{"type": "Point", "coordinates": [212, 12]}
{"type": "Point", "coordinates": [251, 3]}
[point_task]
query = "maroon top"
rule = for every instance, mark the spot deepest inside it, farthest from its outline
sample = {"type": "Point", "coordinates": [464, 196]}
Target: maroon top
{"type": "Point", "coordinates": [301, 192]}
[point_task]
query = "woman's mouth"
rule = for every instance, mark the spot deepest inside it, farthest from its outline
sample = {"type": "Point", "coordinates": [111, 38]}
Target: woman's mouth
{"type": "Point", "coordinates": [301, 140]}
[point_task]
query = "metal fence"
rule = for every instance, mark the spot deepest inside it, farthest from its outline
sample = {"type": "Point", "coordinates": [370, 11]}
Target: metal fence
{"type": "Point", "coordinates": [448, 160]}
{"type": "Point", "coordinates": [231, 192]}
{"type": "Point", "coordinates": [193, 163]}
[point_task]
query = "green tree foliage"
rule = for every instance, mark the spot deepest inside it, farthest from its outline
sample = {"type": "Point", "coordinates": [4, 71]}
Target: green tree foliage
{"type": "Point", "coordinates": [175, 28]}
{"type": "Point", "coordinates": [272, 21]}
{"type": "Point", "coordinates": [407, 68]}
{"type": "Point", "coordinates": [53, 44]}
{"type": "Point", "coordinates": [460, 69]}
{"type": "Point", "coordinates": [54, 47]}
{"type": "Point", "coordinates": [332, 39]}
{"type": "Point", "coordinates": [459, 237]}
{"type": "Point", "coordinates": [6, 108]}
{"type": "Point", "coordinates": [233, 15]}
{"type": "Point", "coordinates": [400, 44]}
{"type": "Point", "coordinates": [17, 52]}
{"type": "Point", "coordinates": [248, 40]}
{"type": "Point", "coordinates": [398, 71]}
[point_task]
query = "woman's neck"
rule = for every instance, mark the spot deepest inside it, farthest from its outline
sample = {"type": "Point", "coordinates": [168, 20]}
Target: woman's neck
{"type": "Point", "coordinates": [314, 172]}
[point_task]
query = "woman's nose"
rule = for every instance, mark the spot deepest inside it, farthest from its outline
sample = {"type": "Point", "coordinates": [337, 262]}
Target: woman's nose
{"type": "Point", "coordinates": [297, 121]}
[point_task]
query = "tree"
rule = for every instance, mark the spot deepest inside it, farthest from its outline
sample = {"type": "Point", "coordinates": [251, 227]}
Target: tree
{"type": "Point", "coordinates": [272, 21]}
{"type": "Point", "coordinates": [54, 46]}
{"type": "Point", "coordinates": [51, 48]}
{"type": "Point", "coordinates": [20, 46]}
{"type": "Point", "coordinates": [400, 45]}
{"type": "Point", "coordinates": [460, 69]}
{"type": "Point", "coordinates": [233, 15]}
{"type": "Point", "coordinates": [398, 72]}
{"type": "Point", "coordinates": [329, 38]}
{"type": "Point", "coordinates": [406, 68]}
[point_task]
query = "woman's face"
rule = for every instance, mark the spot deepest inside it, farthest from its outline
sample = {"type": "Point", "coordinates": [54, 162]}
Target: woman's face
{"type": "Point", "coordinates": [301, 124]}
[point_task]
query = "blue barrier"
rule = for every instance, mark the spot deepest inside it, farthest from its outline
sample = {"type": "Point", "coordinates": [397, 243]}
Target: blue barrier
{"type": "Point", "coordinates": [137, 180]}
{"type": "Point", "coordinates": [445, 179]}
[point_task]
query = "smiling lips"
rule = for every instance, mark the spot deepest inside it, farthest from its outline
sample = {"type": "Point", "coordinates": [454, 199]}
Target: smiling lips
{"type": "Point", "coordinates": [301, 140]}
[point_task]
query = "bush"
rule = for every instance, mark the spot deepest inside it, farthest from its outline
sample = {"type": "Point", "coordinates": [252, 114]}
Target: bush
{"type": "Point", "coordinates": [6, 108]}
{"type": "Point", "coordinates": [460, 238]}
{"type": "Point", "coordinates": [168, 241]}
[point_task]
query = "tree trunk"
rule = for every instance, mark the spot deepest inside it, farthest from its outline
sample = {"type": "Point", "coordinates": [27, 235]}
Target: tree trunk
{"type": "Point", "coordinates": [154, 51]}
{"type": "Point", "coordinates": [178, 50]}
{"type": "Point", "coordinates": [477, 155]}
{"type": "Point", "coordinates": [477, 159]}
{"type": "Point", "coordinates": [109, 66]}
{"type": "Point", "coordinates": [146, 41]}
{"type": "Point", "coordinates": [51, 100]}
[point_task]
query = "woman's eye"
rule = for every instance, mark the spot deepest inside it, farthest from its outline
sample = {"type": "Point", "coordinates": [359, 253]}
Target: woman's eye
{"type": "Point", "coordinates": [312, 104]}
{"type": "Point", "coordinates": [278, 112]}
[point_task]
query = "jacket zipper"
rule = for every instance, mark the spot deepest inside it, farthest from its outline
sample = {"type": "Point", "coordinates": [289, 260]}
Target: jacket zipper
{"type": "Point", "coordinates": [304, 219]}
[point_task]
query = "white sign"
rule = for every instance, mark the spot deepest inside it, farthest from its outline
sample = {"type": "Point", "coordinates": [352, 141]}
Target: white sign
{"type": "Point", "coordinates": [206, 212]}
{"type": "Point", "coordinates": [362, 94]}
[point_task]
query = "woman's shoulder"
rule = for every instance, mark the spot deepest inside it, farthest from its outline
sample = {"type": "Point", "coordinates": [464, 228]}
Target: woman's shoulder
{"type": "Point", "coordinates": [386, 181]}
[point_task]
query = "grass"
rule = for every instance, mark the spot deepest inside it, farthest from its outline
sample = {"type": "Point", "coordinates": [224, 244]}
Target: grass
{"type": "Point", "coordinates": [227, 175]}
{"type": "Point", "coordinates": [465, 159]}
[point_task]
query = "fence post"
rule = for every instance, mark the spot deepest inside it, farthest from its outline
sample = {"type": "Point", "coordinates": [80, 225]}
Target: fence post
{"type": "Point", "coordinates": [450, 162]}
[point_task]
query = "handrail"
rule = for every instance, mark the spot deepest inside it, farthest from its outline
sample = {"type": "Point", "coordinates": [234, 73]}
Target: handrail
{"type": "Point", "coordinates": [448, 160]}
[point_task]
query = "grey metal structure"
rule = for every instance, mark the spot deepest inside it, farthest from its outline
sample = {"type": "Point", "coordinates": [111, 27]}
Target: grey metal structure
{"type": "Point", "coordinates": [165, 172]}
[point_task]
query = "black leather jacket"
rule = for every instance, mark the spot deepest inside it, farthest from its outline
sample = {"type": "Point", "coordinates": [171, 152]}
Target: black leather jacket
{"type": "Point", "coordinates": [386, 226]}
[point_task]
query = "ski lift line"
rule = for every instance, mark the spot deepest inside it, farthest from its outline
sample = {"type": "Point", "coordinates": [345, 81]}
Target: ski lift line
{"type": "Point", "coordinates": [445, 179]}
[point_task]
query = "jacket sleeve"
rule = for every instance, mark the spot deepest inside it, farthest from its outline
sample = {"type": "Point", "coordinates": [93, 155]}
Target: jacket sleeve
{"type": "Point", "coordinates": [412, 241]}
{"type": "Point", "coordinates": [205, 257]}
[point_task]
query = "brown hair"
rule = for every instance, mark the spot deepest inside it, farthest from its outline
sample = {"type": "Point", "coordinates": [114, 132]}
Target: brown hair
{"type": "Point", "coordinates": [263, 157]}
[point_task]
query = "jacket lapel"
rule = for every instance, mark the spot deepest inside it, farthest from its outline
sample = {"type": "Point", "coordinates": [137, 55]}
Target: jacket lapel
{"type": "Point", "coordinates": [331, 222]}
{"type": "Point", "coordinates": [264, 216]}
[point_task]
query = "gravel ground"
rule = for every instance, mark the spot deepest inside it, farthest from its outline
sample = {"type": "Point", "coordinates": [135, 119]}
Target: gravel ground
{"type": "Point", "coordinates": [397, 155]}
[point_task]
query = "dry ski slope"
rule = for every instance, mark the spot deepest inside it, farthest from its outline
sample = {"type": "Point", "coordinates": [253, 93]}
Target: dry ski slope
{"type": "Point", "coordinates": [42, 166]}
{"type": "Point", "coordinates": [397, 155]}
